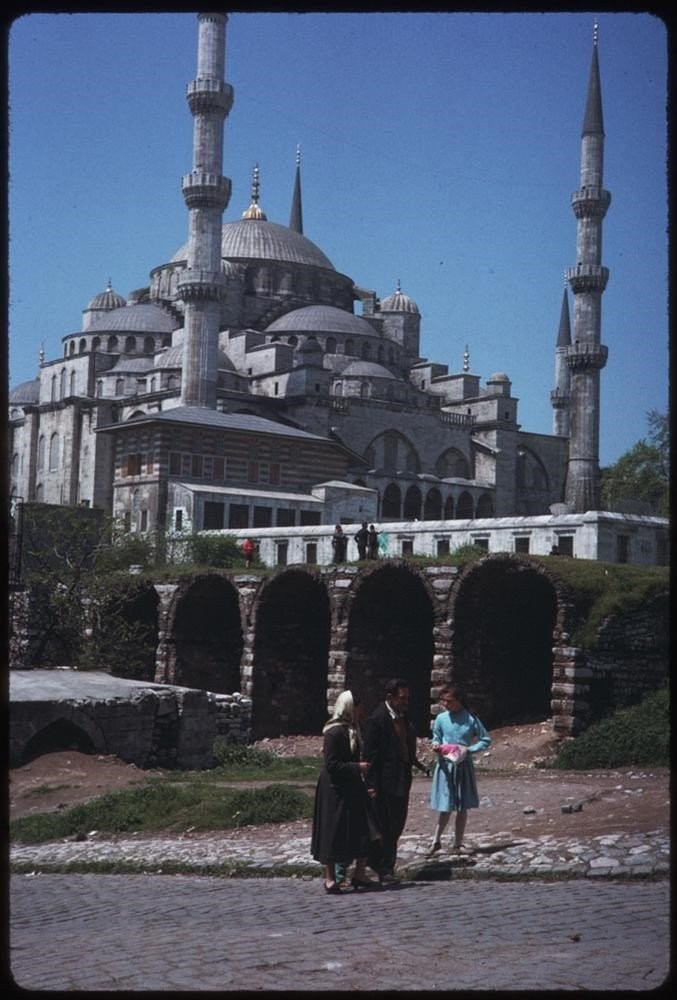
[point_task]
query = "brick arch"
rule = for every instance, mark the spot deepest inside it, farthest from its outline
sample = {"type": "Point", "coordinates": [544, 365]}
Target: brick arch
{"type": "Point", "coordinates": [291, 655]}
{"type": "Point", "coordinates": [137, 642]}
{"type": "Point", "coordinates": [507, 615]}
{"type": "Point", "coordinates": [391, 616]}
{"type": "Point", "coordinates": [206, 633]}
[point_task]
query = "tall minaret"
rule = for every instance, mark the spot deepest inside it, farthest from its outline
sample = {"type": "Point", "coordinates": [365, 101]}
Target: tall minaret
{"type": "Point", "coordinates": [586, 356]}
{"type": "Point", "coordinates": [560, 397]}
{"type": "Point", "coordinates": [206, 193]}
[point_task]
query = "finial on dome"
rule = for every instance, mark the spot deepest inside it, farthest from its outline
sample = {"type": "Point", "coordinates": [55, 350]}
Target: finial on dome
{"type": "Point", "coordinates": [254, 212]}
{"type": "Point", "coordinates": [466, 359]}
{"type": "Point", "coordinates": [398, 289]}
{"type": "Point", "coordinates": [109, 286]}
{"type": "Point", "coordinates": [595, 33]}
{"type": "Point", "coordinates": [41, 355]}
{"type": "Point", "coordinates": [298, 156]}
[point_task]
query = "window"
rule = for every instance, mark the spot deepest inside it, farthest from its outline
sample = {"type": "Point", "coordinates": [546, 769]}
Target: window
{"type": "Point", "coordinates": [481, 543]}
{"type": "Point", "coordinates": [127, 520]}
{"type": "Point", "coordinates": [565, 544]}
{"type": "Point", "coordinates": [174, 463]}
{"type": "Point", "coordinates": [213, 516]}
{"type": "Point", "coordinates": [622, 548]}
{"type": "Point", "coordinates": [72, 385]}
{"type": "Point", "coordinates": [252, 472]}
{"type": "Point", "coordinates": [263, 517]}
{"type": "Point", "coordinates": [196, 466]}
{"type": "Point", "coordinates": [178, 520]}
{"type": "Point", "coordinates": [41, 453]}
{"type": "Point", "coordinates": [310, 517]}
{"type": "Point", "coordinates": [62, 384]}
{"type": "Point", "coordinates": [443, 546]}
{"type": "Point", "coordinates": [522, 543]}
{"type": "Point", "coordinates": [407, 546]}
{"type": "Point", "coordinates": [311, 553]}
{"type": "Point", "coordinates": [238, 515]}
{"type": "Point", "coordinates": [132, 465]}
{"type": "Point", "coordinates": [282, 548]}
{"type": "Point", "coordinates": [54, 452]}
{"type": "Point", "coordinates": [286, 518]}
{"type": "Point", "coordinates": [144, 520]}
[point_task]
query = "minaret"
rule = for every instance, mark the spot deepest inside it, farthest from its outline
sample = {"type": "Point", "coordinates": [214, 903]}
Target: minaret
{"type": "Point", "coordinates": [206, 193]}
{"type": "Point", "coordinates": [586, 356]}
{"type": "Point", "coordinates": [296, 216]}
{"type": "Point", "coordinates": [560, 397]}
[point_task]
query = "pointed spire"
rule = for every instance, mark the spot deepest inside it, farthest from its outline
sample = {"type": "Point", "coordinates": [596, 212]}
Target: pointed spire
{"type": "Point", "coordinates": [564, 333]}
{"type": "Point", "coordinates": [296, 216]}
{"type": "Point", "coordinates": [254, 212]}
{"type": "Point", "coordinates": [593, 123]}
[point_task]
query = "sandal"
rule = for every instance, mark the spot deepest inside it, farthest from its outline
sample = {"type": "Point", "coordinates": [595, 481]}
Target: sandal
{"type": "Point", "coordinates": [435, 849]}
{"type": "Point", "coordinates": [332, 890]}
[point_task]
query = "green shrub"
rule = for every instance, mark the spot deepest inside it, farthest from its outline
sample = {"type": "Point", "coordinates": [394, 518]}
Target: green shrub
{"type": "Point", "coordinates": [227, 754]}
{"type": "Point", "coordinates": [635, 736]}
{"type": "Point", "coordinates": [221, 551]}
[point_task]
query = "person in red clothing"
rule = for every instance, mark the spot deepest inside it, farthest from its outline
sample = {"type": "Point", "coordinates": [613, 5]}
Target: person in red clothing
{"type": "Point", "coordinates": [248, 550]}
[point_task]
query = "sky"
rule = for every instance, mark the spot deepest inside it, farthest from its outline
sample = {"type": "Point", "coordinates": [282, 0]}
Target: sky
{"type": "Point", "coordinates": [438, 149]}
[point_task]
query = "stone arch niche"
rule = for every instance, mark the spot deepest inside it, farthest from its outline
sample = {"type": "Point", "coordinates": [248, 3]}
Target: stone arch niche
{"type": "Point", "coordinates": [137, 637]}
{"type": "Point", "coordinates": [291, 656]}
{"type": "Point", "coordinates": [207, 636]}
{"type": "Point", "coordinates": [61, 734]}
{"type": "Point", "coordinates": [504, 617]}
{"type": "Point", "coordinates": [390, 634]}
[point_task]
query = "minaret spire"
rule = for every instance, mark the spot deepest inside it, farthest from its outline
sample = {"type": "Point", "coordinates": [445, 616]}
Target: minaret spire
{"type": "Point", "coordinates": [586, 356]}
{"type": "Point", "coordinates": [560, 397]}
{"type": "Point", "coordinates": [296, 216]}
{"type": "Point", "coordinates": [255, 211]}
{"type": "Point", "coordinates": [206, 193]}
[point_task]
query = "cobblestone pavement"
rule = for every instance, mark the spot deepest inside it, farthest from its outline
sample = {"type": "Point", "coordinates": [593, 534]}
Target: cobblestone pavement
{"type": "Point", "coordinates": [185, 932]}
{"type": "Point", "coordinates": [501, 854]}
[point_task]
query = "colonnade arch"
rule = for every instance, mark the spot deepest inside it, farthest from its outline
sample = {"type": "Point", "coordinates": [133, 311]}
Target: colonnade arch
{"type": "Point", "coordinates": [291, 655]}
{"type": "Point", "coordinates": [390, 634]}
{"type": "Point", "coordinates": [504, 614]}
{"type": "Point", "coordinates": [207, 636]}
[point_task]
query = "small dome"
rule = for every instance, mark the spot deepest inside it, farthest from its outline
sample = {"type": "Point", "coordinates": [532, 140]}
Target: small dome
{"type": "Point", "coordinates": [357, 369]}
{"type": "Point", "coordinates": [399, 302]}
{"type": "Point", "coordinates": [497, 377]}
{"type": "Point", "coordinates": [25, 392]}
{"type": "Point", "coordinates": [107, 300]}
{"type": "Point", "coordinates": [137, 318]}
{"type": "Point", "coordinates": [322, 319]}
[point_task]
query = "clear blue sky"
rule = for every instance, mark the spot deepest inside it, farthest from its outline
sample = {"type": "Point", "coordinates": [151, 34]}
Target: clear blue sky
{"type": "Point", "coordinates": [440, 149]}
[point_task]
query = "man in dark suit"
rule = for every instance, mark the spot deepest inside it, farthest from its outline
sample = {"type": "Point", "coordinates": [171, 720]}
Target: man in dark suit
{"type": "Point", "coordinates": [390, 749]}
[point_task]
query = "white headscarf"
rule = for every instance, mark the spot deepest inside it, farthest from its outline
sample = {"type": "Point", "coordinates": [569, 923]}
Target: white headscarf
{"type": "Point", "coordinates": [342, 714]}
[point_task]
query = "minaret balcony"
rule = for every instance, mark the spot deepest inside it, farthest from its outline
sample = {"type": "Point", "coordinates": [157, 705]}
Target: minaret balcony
{"type": "Point", "coordinates": [587, 278]}
{"type": "Point", "coordinates": [204, 190]}
{"type": "Point", "coordinates": [584, 356]}
{"type": "Point", "coordinates": [209, 96]}
{"type": "Point", "coordinates": [195, 284]}
{"type": "Point", "coordinates": [559, 399]}
{"type": "Point", "coordinates": [590, 203]}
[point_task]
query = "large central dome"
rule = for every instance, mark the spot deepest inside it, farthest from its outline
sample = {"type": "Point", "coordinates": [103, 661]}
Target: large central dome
{"type": "Point", "coordinates": [258, 239]}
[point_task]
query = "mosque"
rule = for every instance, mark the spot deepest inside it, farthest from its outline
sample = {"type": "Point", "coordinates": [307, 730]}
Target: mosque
{"type": "Point", "coordinates": [250, 385]}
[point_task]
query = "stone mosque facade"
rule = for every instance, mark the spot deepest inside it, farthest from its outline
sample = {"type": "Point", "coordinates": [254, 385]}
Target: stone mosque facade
{"type": "Point", "coordinates": [250, 385]}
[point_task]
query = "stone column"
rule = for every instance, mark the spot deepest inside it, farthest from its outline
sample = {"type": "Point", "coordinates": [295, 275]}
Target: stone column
{"type": "Point", "coordinates": [165, 654]}
{"type": "Point", "coordinates": [570, 690]}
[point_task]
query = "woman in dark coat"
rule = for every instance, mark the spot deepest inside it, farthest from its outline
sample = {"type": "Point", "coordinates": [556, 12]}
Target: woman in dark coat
{"type": "Point", "coordinates": [340, 828]}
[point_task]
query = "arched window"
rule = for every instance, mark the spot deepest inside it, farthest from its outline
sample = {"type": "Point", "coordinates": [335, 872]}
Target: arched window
{"type": "Point", "coordinates": [71, 348]}
{"type": "Point", "coordinates": [391, 506]}
{"type": "Point", "coordinates": [412, 504]}
{"type": "Point", "coordinates": [130, 345]}
{"type": "Point", "coordinates": [331, 345]}
{"type": "Point", "coordinates": [293, 340]}
{"type": "Point", "coordinates": [99, 387]}
{"type": "Point", "coordinates": [452, 464]}
{"type": "Point", "coordinates": [338, 388]}
{"type": "Point", "coordinates": [53, 389]}
{"type": "Point", "coordinates": [464, 507]}
{"type": "Point", "coordinates": [112, 343]}
{"type": "Point", "coordinates": [148, 345]}
{"type": "Point", "coordinates": [83, 345]}
{"type": "Point", "coordinates": [350, 347]}
{"type": "Point", "coordinates": [485, 506]}
{"type": "Point", "coordinates": [54, 452]}
{"type": "Point", "coordinates": [72, 385]}
{"type": "Point", "coordinates": [41, 452]}
{"type": "Point", "coordinates": [96, 343]}
{"type": "Point", "coordinates": [62, 384]}
{"type": "Point", "coordinates": [395, 453]}
{"type": "Point", "coordinates": [119, 386]}
{"type": "Point", "coordinates": [432, 510]}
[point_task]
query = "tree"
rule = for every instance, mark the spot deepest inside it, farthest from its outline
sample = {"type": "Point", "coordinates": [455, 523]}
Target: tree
{"type": "Point", "coordinates": [642, 473]}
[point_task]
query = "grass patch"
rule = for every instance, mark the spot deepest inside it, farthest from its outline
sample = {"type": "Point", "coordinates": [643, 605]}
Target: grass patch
{"type": "Point", "coordinates": [639, 735]}
{"type": "Point", "coordinates": [161, 806]}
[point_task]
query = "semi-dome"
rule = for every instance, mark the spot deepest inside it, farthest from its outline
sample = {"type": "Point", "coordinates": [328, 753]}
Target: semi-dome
{"type": "Point", "coordinates": [25, 392]}
{"type": "Point", "coordinates": [138, 318]}
{"type": "Point", "coordinates": [107, 300]}
{"type": "Point", "coordinates": [398, 302]}
{"type": "Point", "coordinates": [258, 239]}
{"type": "Point", "coordinates": [322, 319]}
{"type": "Point", "coordinates": [361, 369]}
{"type": "Point", "coordinates": [173, 358]}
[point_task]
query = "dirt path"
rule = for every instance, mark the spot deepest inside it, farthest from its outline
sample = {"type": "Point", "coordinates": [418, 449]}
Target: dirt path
{"type": "Point", "coordinates": [515, 796]}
